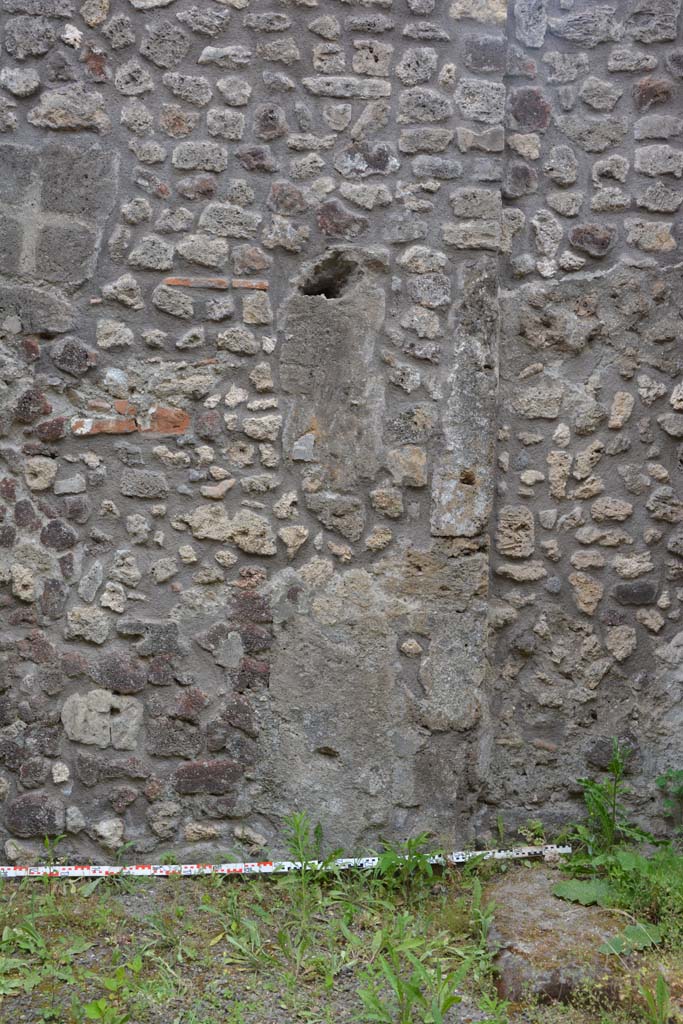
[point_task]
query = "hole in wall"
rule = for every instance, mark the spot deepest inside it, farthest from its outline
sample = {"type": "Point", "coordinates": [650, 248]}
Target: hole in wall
{"type": "Point", "coordinates": [327, 751]}
{"type": "Point", "coordinates": [467, 476]}
{"type": "Point", "coordinates": [330, 276]}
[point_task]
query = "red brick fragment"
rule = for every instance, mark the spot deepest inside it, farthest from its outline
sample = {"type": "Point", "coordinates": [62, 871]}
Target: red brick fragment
{"type": "Point", "coordinates": [103, 425]}
{"type": "Point", "coordinates": [124, 407]}
{"type": "Point", "coordinates": [160, 420]}
{"type": "Point", "coordinates": [245, 282]}
{"type": "Point", "coordinates": [197, 282]}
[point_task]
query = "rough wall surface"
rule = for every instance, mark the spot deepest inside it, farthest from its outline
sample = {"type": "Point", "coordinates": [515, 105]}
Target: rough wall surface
{"type": "Point", "coordinates": [275, 279]}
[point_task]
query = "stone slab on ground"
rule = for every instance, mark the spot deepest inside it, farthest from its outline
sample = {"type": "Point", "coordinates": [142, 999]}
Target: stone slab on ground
{"type": "Point", "coordinates": [548, 948]}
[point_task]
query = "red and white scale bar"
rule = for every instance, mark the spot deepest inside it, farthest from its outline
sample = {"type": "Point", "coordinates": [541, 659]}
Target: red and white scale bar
{"type": "Point", "coordinates": [265, 867]}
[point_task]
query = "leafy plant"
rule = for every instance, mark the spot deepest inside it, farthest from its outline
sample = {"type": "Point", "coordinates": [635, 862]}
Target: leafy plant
{"type": "Point", "coordinates": [671, 786]}
{"type": "Point", "coordinates": [648, 888]}
{"type": "Point", "coordinates": [658, 1008]}
{"type": "Point", "coordinates": [304, 845]}
{"type": "Point", "coordinates": [496, 1009]}
{"type": "Point", "coordinates": [102, 1010]}
{"type": "Point", "coordinates": [405, 866]}
{"type": "Point", "coordinates": [633, 937]}
{"type": "Point", "coordinates": [607, 821]}
{"type": "Point", "coordinates": [438, 991]}
{"type": "Point", "coordinates": [50, 844]}
{"type": "Point", "coordinates": [586, 892]}
{"type": "Point", "coordinates": [393, 995]}
{"type": "Point", "coordinates": [303, 842]}
{"type": "Point", "coordinates": [533, 831]}
{"type": "Point", "coordinates": [482, 914]}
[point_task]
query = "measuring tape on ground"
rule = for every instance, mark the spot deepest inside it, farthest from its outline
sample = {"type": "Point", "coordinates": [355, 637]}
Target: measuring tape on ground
{"type": "Point", "coordinates": [549, 852]}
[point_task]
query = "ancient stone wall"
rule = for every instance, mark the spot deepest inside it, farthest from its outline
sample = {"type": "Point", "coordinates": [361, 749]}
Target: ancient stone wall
{"type": "Point", "coordinates": [275, 280]}
{"type": "Point", "coordinates": [587, 570]}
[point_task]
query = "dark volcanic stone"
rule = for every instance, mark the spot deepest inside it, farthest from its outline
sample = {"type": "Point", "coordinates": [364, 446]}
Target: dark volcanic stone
{"type": "Point", "coordinates": [52, 430]}
{"type": "Point", "coordinates": [269, 122]}
{"type": "Point", "coordinates": [674, 63]}
{"type": "Point", "coordinates": [156, 637]}
{"type": "Point", "coordinates": [71, 356]}
{"type": "Point", "coordinates": [214, 777]}
{"type": "Point", "coordinates": [649, 91]}
{"type": "Point", "coordinates": [530, 109]}
{"type": "Point", "coordinates": [257, 158]}
{"type": "Point", "coordinates": [337, 221]}
{"type": "Point", "coordinates": [286, 199]}
{"type": "Point", "coordinates": [595, 239]}
{"type": "Point", "coordinates": [31, 405]}
{"type": "Point", "coordinates": [520, 180]}
{"type": "Point", "coordinates": [600, 751]}
{"type": "Point", "coordinates": [636, 592]}
{"type": "Point", "coordinates": [485, 53]}
{"type": "Point", "coordinates": [53, 598]}
{"type": "Point", "coordinates": [119, 673]}
{"type": "Point", "coordinates": [25, 515]}
{"type": "Point", "coordinates": [35, 815]}
{"type": "Point", "coordinates": [34, 772]}
{"type": "Point", "coordinates": [8, 535]}
{"type": "Point", "coordinates": [58, 536]}
{"type": "Point", "coordinates": [173, 738]}
{"type": "Point", "coordinates": [208, 424]}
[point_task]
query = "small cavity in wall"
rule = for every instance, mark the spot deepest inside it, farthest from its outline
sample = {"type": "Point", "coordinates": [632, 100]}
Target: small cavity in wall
{"type": "Point", "coordinates": [331, 276]}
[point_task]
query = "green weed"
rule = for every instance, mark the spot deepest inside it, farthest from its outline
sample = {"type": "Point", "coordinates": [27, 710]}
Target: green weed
{"type": "Point", "coordinates": [607, 822]}
{"type": "Point", "coordinates": [405, 867]}
{"type": "Point", "coordinates": [658, 1008]}
{"type": "Point", "coordinates": [670, 785]}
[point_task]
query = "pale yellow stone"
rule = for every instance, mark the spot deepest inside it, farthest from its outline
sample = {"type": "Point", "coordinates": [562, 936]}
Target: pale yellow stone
{"type": "Point", "coordinates": [659, 472]}
{"type": "Point", "coordinates": [524, 572]}
{"type": "Point", "coordinates": [197, 832]}
{"type": "Point", "coordinates": [23, 582]}
{"type": "Point", "coordinates": [561, 435]}
{"type": "Point", "coordinates": [676, 398]}
{"type": "Point", "coordinates": [606, 538]}
{"type": "Point", "coordinates": [589, 488]}
{"type": "Point", "coordinates": [588, 559]}
{"type": "Point", "coordinates": [256, 308]}
{"type": "Point", "coordinates": [388, 501]}
{"type": "Point", "coordinates": [293, 537]}
{"type": "Point", "coordinates": [317, 571]}
{"type": "Point", "coordinates": [216, 491]}
{"type": "Point", "coordinates": [630, 567]}
{"type": "Point", "coordinates": [378, 538]}
{"type": "Point", "coordinates": [344, 552]}
{"type": "Point", "coordinates": [515, 532]}
{"type": "Point", "coordinates": [40, 472]}
{"type": "Point", "coordinates": [489, 12]}
{"type": "Point", "coordinates": [651, 619]}
{"type": "Point", "coordinates": [621, 642]}
{"type": "Point", "coordinates": [650, 236]}
{"type": "Point", "coordinates": [408, 465]}
{"type": "Point", "coordinates": [620, 410]}
{"type": "Point", "coordinates": [588, 592]}
{"type": "Point", "coordinates": [225, 557]}
{"type": "Point", "coordinates": [559, 465]}
{"type": "Point", "coordinates": [611, 508]}
{"type": "Point", "coordinates": [551, 550]}
{"type": "Point", "coordinates": [649, 390]}
{"type": "Point", "coordinates": [587, 459]}
{"type": "Point", "coordinates": [528, 146]}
